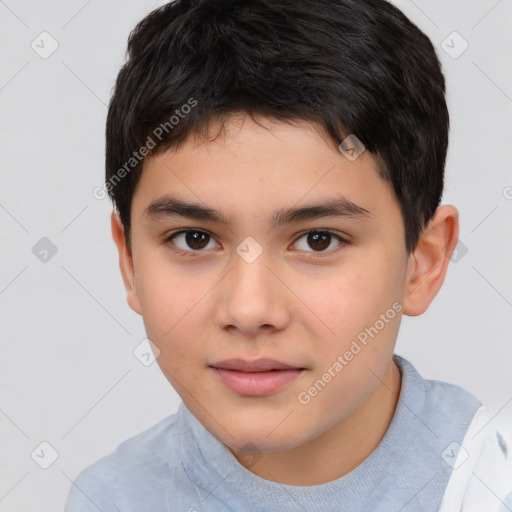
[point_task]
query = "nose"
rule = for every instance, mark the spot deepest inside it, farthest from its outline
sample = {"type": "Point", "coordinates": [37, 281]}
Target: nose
{"type": "Point", "coordinates": [252, 298]}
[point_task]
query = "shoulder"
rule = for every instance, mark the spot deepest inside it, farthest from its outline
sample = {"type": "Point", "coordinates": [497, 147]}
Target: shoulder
{"type": "Point", "coordinates": [136, 468]}
{"type": "Point", "coordinates": [475, 445]}
{"type": "Point", "coordinates": [450, 398]}
{"type": "Point", "coordinates": [149, 449]}
{"type": "Point", "coordinates": [482, 474]}
{"type": "Point", "coordinates": [440, 401]}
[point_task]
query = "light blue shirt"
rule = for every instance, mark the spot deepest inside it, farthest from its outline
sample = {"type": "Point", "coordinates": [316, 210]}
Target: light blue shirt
{"type": "Point", "coordinates": [178, 465]}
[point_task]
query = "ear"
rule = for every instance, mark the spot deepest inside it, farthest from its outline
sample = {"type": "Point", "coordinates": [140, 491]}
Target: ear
{"type": "Point", "coordinates": [429, 261]}
{"type": "Point", "coordinates": [125, 262]}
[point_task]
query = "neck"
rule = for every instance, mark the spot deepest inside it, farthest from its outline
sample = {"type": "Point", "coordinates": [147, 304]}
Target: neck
{"type": "Point", "coordinates": [343, 447]}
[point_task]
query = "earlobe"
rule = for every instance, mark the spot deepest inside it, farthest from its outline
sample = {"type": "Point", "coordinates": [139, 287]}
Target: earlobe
{"type": "Point", "coordinates": [125, 262]}
{"type": "Point", "coordinates": [429, 261]}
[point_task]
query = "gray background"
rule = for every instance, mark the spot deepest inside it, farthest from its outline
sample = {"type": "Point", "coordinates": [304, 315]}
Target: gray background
{"type": "Point", "coordinates": [68, 375]}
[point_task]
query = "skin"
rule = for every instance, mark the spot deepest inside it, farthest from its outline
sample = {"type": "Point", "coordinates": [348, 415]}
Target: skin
{"type": "Point", "coordinates": [287, 304]}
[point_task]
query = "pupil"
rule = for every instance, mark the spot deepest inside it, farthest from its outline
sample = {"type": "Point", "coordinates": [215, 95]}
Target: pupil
{"type": "Point", "coordinates": [195, 239]}
{"type": "Point", "coordinates": [319, 238]}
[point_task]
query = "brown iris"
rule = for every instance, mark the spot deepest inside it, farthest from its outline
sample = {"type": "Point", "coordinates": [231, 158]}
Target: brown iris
{"type": "Point", "coordinates": [320, 239]}
{"type": "Point", "coordinates": [196, 239]}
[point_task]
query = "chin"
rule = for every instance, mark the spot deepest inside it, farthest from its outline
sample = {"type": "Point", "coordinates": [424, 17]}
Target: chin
{"type": "Point", "coordinates": [251, 436]}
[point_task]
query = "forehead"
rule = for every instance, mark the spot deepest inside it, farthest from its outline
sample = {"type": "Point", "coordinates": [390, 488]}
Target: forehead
{"type": "Point", "coordinates": [258, 167]}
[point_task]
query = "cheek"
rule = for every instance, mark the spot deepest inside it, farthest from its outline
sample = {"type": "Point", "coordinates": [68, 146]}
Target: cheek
{"type": "Point", "coordinates": [172, 307]}
{"type": "Point", "coordinates": [353, 303]}
{"type": "Point", "coordinates": [343, 299]}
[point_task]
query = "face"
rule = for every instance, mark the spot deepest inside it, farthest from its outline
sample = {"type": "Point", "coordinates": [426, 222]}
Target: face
{"type": "Point", "coordinates": [268, 243]}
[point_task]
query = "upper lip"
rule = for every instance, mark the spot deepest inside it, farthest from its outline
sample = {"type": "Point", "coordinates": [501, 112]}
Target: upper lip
{"type": "Point", "coordinates": [257, 365]}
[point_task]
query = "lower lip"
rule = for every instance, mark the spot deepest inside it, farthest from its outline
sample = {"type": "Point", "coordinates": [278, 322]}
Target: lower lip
{"type": "Point", "coordinates": [256, 383]}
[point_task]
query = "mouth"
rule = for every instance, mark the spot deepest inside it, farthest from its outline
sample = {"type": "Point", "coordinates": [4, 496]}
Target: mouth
{"type": "Point", "coordinates": [255, 378]}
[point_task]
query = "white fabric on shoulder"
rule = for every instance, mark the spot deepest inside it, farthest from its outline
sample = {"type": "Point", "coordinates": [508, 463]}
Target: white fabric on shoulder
{"type": "Point", "coordinates": [481, 478]}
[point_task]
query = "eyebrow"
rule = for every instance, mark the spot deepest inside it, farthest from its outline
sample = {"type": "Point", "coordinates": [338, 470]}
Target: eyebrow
{"type": "Point", "coordinates": [167, 206]}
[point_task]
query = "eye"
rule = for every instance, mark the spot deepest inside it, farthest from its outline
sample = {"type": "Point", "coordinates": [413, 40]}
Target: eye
{"type": "Point", "coordinates": [319, 241]}
{"type": "Point", "coordinates": [191, 240]}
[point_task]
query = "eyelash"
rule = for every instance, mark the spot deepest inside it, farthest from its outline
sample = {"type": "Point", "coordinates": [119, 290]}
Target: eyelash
{"type": "Point", "coordinates": [314, 254]}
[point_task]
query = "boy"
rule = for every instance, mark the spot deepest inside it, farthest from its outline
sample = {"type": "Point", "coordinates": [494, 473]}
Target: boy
{"type": "Point", "coordinates": [276, 322]}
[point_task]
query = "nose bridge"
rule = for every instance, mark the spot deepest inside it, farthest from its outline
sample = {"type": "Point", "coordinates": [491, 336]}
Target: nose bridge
{"type": "Point", "coordinates": [251, 296]}
{"type": "Point", "coordinates": [251, 276]}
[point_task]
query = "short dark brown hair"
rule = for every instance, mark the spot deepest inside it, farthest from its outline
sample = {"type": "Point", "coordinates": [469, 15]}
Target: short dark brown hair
{"type": "Point", "coordinates": [351, 66]}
